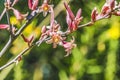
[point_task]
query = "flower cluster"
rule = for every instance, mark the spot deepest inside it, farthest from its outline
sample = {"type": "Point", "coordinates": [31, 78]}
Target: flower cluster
{"type": "Point", "coordinates": [52, 34]}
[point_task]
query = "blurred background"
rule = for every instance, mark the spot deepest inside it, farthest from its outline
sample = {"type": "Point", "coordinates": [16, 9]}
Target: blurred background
{"type": "Point", "coordinates": [96, 57]}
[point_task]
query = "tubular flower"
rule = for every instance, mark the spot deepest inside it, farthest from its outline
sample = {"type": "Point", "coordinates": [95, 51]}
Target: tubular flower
{"type": "Point", "coordinates": [72, 20]}
{"type": "Point", "coordinates": [18, 15]}
{"type": "Point", "coordinates": [69, 46]}
{"type": "Point", "coordinates": [32, 4]}
{"type": "Point", "coordinates": [4, 26]}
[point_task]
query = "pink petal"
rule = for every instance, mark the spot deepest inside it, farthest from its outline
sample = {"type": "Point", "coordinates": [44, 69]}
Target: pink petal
{"type": "Point", "coordinates": [78, 13]}
{"type": "Point", "coordinates": [30, 4]}
{"type": "Point", "coordinates": [4, 26]}
{"type": "Point", "coordinates": [35, 4]}
{"type": "Point", "coordinates": [73, 26]}
{"type": "Point", "coordinates": [67, 45]}
{"type": "Point", "coordinates": [68, 20]}
{"type": "Point", "coordinates": [18, 15]}
{"type": "Point", "coordinates": [69, 11]}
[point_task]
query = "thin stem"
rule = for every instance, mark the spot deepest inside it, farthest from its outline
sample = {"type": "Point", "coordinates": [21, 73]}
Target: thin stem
{"type": "Point", "coordinates": [19, 55]}
{"type": "Point", "coordinates": [11, 33]}
{"type": "Point", "coordinates": [1, 16]}
{"type": "Point", "coordinates": [8, 19]}
{"type": "Point", "coordinates": [86, 24]}
{"type": "Point", "coordinates": [6, 46]}
{"type": "Point", "coordinates": [16, 58]}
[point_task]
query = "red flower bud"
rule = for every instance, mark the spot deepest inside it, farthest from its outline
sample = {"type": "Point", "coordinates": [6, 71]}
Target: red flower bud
{"type": "Point", "coordinates": [94, 14]}
{"type": "Point", "coordinates": [105, 10]}
{"type": "Point", "coordinates": [28, 40]}
{"type": "Point", "coordinates": [24, 38]}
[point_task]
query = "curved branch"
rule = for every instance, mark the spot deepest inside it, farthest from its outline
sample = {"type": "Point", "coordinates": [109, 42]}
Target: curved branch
{"type": "Point", "coordinates": [16, 58]}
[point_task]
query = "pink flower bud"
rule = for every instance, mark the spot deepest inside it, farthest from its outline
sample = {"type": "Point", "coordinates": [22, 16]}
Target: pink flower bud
{"type": "Point", "coordinates": [69, 11]}
{"type": "Point", "coordinates": [43, 29]}
{"type": "Point", "coordinates": [32, 4]}
{"type": "Point", "coordinates": [18, 15]}
{"type": "Point", "coordinates": [68, 20]}
{"type": "Point", "coordinates": [78, 15]}
{"type": "Point", "coordinates": [4, 26]}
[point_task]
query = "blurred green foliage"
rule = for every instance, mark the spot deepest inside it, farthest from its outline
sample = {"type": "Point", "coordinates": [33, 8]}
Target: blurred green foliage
{"type": "Point", "coordinates": [96, 56]}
